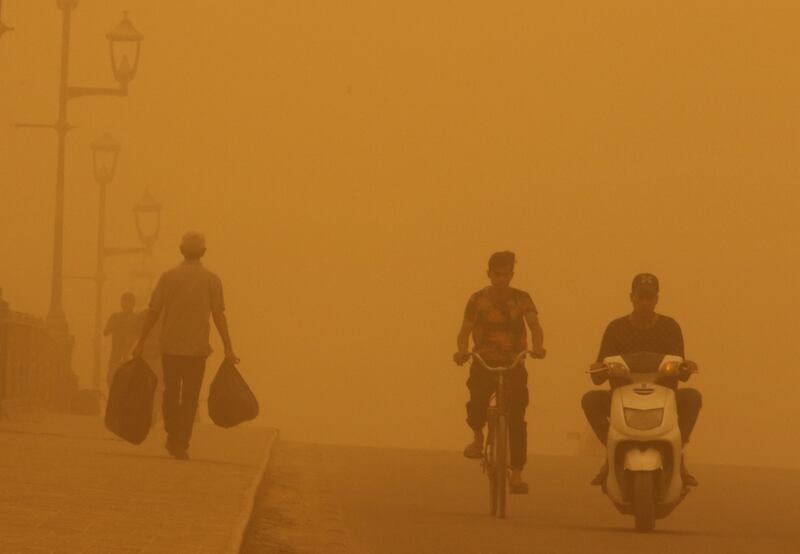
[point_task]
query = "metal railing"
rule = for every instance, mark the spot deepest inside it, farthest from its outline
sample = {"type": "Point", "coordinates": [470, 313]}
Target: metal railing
{"type": "Point", "coordinates": [35, 363]}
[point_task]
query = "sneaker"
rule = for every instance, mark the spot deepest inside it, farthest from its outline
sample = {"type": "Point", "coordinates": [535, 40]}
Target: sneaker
{"type": "Point", "coordinates": [600, 479]}
{"type": "Point", "coordinates": [689, 480]}
{"type": "Point", "coordinates": [517, 486]}
{"type": "Point", "coordinates": [474, 450]}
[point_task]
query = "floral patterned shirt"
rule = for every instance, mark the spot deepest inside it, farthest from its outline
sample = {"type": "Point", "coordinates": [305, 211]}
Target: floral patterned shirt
{"type": "Point", "coordinates": [498, 323]}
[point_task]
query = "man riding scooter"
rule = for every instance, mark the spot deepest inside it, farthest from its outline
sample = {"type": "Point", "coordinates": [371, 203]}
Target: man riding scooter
{"type": "Point", "coordinates": [643, 330]}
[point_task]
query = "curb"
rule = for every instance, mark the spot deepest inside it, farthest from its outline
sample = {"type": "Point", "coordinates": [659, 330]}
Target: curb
{"type": "Point", "coordinates": [249, 498]}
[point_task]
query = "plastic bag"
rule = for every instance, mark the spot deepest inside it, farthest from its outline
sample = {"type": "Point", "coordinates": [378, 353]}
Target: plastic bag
{"type": "Point", "coordinates": [230, 400]}
{"type": "Point", "coordinates": [129, 410]}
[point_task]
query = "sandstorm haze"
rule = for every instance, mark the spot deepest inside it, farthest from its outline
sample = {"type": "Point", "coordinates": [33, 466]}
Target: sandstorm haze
{"type": "Point", "coordinates": [353, 165]}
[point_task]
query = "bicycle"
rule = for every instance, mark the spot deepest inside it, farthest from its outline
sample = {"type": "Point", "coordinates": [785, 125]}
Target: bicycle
{"type": "Point", "coordinates": [495, 460]}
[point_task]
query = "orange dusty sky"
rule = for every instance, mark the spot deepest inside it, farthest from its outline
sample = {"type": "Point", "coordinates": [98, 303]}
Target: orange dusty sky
{"type": "Point", "coordinates": [354, 163]}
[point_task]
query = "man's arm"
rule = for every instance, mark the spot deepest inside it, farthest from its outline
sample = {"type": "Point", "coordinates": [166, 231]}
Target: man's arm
{"type": "Point", "coordinates": [606, 349]}
{"type": "Point", "coordinates": [462, 340]}
{"type": "Point", "coordinates": [678, 338]}
{"type": "Point", "coordinates": [221, 322]}
{"type": "Point", "coordinates": [150, 318]}
{"type": "Point", "coordinates": [537, 334]}
{"type": "Point", "coordinates": [689, 366]}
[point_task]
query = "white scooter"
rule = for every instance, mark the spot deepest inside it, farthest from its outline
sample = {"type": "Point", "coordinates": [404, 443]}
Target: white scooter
{"type": "Point", "coordinates": [644, 448]}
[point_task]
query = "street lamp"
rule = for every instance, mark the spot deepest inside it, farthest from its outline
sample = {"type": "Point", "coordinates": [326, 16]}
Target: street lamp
{"type": "Point", "coordinates": [105, 152]}
{"type": "Point", "coordinates": [3, 27]}
{"type": "Point", "coordinates": [124, 44]}
{"type": "Point", "coordinates": [147, 213]}
{"type": "Point", "coordinates": [124, 66]}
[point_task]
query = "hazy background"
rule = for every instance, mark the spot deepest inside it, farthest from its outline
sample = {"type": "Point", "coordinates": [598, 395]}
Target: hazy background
{"type": "Point", "coordinates": [354, 163]}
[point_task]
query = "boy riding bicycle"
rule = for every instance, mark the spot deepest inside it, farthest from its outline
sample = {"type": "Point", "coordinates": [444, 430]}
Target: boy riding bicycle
{"type": "Point", "coordinates": [496, 317]}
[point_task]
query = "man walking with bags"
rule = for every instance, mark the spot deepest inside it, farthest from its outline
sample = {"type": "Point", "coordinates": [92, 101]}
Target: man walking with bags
{"type": "Point", "coordinates": [186, 296]}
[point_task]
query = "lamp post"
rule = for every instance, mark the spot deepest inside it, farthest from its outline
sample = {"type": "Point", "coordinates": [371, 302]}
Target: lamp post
{"type": "Point", "coordinates": [124, 44]}
{"type": "Point", "coordinates": [105, 152]}
{"type": "Point", "coordinates": [148, 226]}
{"type": "Point", "coordinates": [147, 215]}
{"type": "Point", "coordinates": [3, 27]}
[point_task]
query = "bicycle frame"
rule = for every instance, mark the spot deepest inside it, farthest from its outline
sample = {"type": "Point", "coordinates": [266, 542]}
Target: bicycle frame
{"type": "Point", "coordinates": [500, 371]}
{"type": "Point", "coordinates": [495, 456]}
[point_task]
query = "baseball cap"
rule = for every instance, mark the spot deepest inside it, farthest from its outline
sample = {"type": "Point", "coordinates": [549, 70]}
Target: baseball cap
{"type": "Point", "coordinates": [645, 282]}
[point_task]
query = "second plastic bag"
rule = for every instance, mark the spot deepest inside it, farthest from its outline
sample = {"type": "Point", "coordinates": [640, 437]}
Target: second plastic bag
{"type": "Point", "coordinates": [230, 400]}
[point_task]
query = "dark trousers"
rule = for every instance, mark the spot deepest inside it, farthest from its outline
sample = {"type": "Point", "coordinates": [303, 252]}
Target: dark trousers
{"type": "Point", "coordinates": [481, 385]}
{"type": "Point", "coordinates": [183, 377]}
{"type": "Point", "coordinates": [597, 407]}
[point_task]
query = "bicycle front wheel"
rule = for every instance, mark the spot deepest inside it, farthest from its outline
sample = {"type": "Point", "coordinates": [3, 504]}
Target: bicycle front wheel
{"type": "Point", "coordinates": [490, 460]}
{"type": "Point", "coordinates": [501, 464]}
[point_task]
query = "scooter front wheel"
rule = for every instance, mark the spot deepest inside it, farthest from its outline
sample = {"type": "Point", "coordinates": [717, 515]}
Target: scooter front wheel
{"type": "Point", "coordinates": [644, 500]}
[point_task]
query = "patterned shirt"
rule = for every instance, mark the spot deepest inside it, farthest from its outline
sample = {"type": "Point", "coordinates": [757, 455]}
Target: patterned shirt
{"type": "Point", "coordinates": [498, 320]}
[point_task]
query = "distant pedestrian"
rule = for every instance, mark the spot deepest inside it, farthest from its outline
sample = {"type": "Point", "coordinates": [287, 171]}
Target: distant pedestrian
{"type": "Point", "coordinates": [186, 296]}
{"type": "Point", "coordinates": [123, 327]}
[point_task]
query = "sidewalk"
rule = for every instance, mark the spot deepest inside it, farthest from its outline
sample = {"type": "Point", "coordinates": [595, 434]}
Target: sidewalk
{"type": "Point", "coordinates": [68, 485]}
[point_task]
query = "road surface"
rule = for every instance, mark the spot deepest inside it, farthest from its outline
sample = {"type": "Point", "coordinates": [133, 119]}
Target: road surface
{"type": "Point", "coordinates": [321, 499]}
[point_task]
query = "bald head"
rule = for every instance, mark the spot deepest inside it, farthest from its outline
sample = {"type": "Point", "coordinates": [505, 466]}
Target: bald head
{"type": "Point", "coordinates": [193, 245]}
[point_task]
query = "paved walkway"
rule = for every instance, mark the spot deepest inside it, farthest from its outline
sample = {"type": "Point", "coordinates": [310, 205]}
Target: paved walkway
{"type": "Point", "coordinates": [324, 499]}
{"type": "Point", "coordinates": [68, 485]}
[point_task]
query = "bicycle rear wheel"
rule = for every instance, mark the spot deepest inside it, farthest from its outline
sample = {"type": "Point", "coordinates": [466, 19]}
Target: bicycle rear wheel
{"type": "Point", "coordinates": [501, 464]}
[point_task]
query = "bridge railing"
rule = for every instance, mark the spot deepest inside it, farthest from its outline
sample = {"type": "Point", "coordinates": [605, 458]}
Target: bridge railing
{"type": "Point", "coordinates": [35, 363]}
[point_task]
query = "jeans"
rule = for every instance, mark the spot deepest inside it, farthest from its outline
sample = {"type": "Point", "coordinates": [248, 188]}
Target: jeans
{"type": "Point", "coordinates": [481, 385]}
{"type": "Point", "coordinates": [597, 407]}
{"type": "Point", "coordinates": [183, 377]}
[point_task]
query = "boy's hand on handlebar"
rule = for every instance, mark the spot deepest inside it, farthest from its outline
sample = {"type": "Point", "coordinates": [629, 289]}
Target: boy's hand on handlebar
{"type": "Point", "coordinates": [461, 357]}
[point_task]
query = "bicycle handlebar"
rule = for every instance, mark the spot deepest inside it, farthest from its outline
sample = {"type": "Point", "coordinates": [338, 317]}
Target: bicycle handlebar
{"type": "Point", "coordinates": [517, 360]}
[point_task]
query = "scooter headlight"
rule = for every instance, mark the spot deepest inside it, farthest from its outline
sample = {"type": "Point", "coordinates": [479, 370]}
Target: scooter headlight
{"type": "Point", "coordinates": [670, 369]}
{"type": "Point", "coordinates": [644, 420]}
